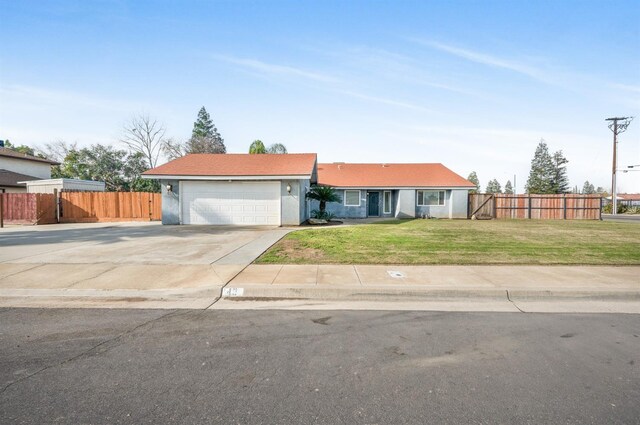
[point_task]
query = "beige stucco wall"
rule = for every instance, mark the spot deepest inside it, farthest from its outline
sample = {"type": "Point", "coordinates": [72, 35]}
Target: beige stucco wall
{"type": "Point", "coordinates": [30, 168]}
{"type": "Point", "coordinates": [13, 189]}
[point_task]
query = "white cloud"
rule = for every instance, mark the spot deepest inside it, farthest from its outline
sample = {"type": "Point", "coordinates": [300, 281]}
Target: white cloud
{"type": "Point", "coordinates": [32, 95]}
{"type": "Point", "coordinates": [386, 101]}
{"type": "Point", "coordinates": [626, 87]}
{"type": "Point", "coordinates": [489, 60]}
{"type": "Point", "coordinates": [273, 69]}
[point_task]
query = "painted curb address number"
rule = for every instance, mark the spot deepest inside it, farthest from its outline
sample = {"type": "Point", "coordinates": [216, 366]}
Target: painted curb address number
{"type": "Point", "coordinates": [232, 292]}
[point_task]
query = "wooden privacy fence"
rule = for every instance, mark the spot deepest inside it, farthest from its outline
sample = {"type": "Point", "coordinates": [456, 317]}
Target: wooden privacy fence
{"type": "Point", "coordinates": [81, 207]}
{"type": "Point", "coordinates": [27, 208]}
{"type": "Point", "coordinates": [543, 207]}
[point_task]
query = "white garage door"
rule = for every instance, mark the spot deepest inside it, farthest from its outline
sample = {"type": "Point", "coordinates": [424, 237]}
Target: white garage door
{"type": "Point", "coordinates": [236, 203]}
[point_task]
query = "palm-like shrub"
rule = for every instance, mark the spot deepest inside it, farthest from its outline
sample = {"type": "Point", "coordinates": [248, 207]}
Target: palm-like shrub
{"type": "Point", "coordinates": [323, 194]}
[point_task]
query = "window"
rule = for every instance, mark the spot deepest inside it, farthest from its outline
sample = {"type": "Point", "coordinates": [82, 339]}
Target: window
{"type": "Point", "coordinates": [430, 197]}
{"type": "Point", "coordinates": [352, 198]}
{"type": "Point", "coordinates": [386, 204]}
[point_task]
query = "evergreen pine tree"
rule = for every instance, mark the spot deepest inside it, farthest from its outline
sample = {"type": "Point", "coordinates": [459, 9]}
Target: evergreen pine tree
{"type": "Point", "coordinates": [473, 178]}
{"type": "Point", "coordinates": [493, 187]}
{"type": "Point", "coordinates": [203, 126]}
{"type": "Point", "coordinates": [205, 137]}
{"type": "Point", "coordinates": [542, 171]}
{"type": "Point", "coordinates": [508, 188]}
{"type": "Point", "coordinates": [560, 181]}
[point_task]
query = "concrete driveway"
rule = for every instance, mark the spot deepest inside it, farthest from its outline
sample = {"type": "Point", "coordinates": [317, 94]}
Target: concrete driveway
{"type": "Point", "coordinates": [84, 260]}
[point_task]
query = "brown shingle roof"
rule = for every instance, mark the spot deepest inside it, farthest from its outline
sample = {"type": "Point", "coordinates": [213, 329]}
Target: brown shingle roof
{"type": "Point", "coordinates": [389, 175]}
{"type": "Point", "coordinates": [229, 164]}
{"type": "Point", "coordinates": [10, 153]}
{"type": "Point", "coordinates": [11, 179]}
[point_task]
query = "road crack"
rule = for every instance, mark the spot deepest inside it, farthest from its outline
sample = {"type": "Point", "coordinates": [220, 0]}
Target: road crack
{"type": "Point", "coordinates": [514, 304]}
{"type": "Point", "coordinates": [85, 352]}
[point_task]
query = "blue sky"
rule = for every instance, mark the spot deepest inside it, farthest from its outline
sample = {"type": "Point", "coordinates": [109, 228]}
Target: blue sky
{"type": "Point", "coordinates": [472, 84]}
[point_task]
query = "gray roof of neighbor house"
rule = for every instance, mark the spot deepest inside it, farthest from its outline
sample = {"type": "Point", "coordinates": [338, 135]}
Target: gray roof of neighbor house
{"type": "Point", "coordinates": [11, 179]}
{"type": "Point", "coordinates": [10, 153]}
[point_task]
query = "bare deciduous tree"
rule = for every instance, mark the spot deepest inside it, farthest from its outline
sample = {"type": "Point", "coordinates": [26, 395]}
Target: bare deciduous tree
{"type": "Point", "coordinates": [173, 149]}
{"type": "Point", "coordinates": [277, 148]}
{"type": "Point", "coordinates": [145, 135]}
{"type": "Point", "coordinates": [58, 150]}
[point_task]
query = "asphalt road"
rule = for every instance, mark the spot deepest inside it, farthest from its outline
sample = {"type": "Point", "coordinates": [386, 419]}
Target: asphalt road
{"type": "Point", "coordinates": [323, 367]}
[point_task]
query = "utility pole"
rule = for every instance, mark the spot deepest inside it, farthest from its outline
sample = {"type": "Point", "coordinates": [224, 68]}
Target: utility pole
{"type": "Point", "coordinates": [618, 125]}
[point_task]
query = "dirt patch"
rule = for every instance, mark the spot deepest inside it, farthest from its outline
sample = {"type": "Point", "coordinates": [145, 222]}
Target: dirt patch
{"type": "Point", "coordinates": [330, 223]}
{"type": "Point", "coordinates": [294, 250]}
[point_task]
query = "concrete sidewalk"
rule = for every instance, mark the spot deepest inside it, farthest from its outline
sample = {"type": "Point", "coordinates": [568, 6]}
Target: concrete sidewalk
{"type": "Point", "coordinates": [125, 264]}
{"type": "Point", "coordinates": [396, 283]}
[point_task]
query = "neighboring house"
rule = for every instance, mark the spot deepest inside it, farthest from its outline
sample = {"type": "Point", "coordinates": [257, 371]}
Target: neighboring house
{"type": "Point", "coordinates": [395, 190]}
{"type": "Point", "coordinates": [629, 199]}
{"type": "Point", "coordinates": [236, 189]}
{"type": "Point", "coordinates": [16, 167]}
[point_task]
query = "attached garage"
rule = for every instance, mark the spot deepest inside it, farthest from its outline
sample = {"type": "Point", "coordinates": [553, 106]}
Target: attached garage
{"type": "Point", "coordinates": [236, 189]}
{"type": "Point", "coordinates": [237, 203]}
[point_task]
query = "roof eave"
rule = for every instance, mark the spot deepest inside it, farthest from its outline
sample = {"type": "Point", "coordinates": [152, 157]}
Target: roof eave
{"type": "Point", "coordinates": [397, 187]}
{"type": "Point", "coordinates": [226, 178]}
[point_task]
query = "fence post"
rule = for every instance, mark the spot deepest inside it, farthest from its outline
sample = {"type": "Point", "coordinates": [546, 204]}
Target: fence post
{"type": "Point", "coordinates": [55, 204]}
{"type": "Point", "coordinates": [601, 199]}
{"type": "Point", "coordinates": [564, 206]}
{"type": "Point", "coordinates": [529, 206]}
{"type": "Point", "coordinates": [495, 206]}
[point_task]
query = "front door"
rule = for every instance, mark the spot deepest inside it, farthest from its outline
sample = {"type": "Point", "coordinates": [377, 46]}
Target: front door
{"type": "Point", "coordinates": [374, 204]}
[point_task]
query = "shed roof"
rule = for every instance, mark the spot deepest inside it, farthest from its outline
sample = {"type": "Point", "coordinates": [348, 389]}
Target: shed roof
{"type": "Point", "coordinates": [13, 179]}
{"type": "Point", "coordinates": [229, 165]}
{"type": "Point", "coordinates": [341, 174]}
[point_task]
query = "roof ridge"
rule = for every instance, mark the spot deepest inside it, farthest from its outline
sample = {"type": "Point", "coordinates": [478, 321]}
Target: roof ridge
{"type": "Point", "coordinates": [380, 163]}
{"type": "Point", "coordinates": [12, 153]}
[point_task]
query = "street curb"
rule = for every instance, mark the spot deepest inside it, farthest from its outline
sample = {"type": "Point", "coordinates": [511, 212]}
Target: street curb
{"type": "Point", "coordinates": [602, 295]}
{"type": "Point", "coordinates": [265, 292]}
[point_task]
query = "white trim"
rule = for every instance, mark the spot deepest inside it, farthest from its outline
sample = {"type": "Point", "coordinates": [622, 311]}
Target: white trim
{"type": "Point", "coordinates": [223, 178]}
{"type": "Point", "coordinates": [384, 193]}
{"type": "Point", "coordinates": [344, 201]}
{"type": "Point", "coordinates": [444, 198]}
{"type": "Point", "coordinates": [180, 202]}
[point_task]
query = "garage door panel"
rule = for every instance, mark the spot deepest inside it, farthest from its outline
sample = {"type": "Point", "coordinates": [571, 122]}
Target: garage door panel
{"type": "Point", "coordinates": [235, 203]}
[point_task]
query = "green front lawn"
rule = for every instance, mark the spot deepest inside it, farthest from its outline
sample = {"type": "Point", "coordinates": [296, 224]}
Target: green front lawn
{"type": "Point", "coordinates": [462, 242]}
